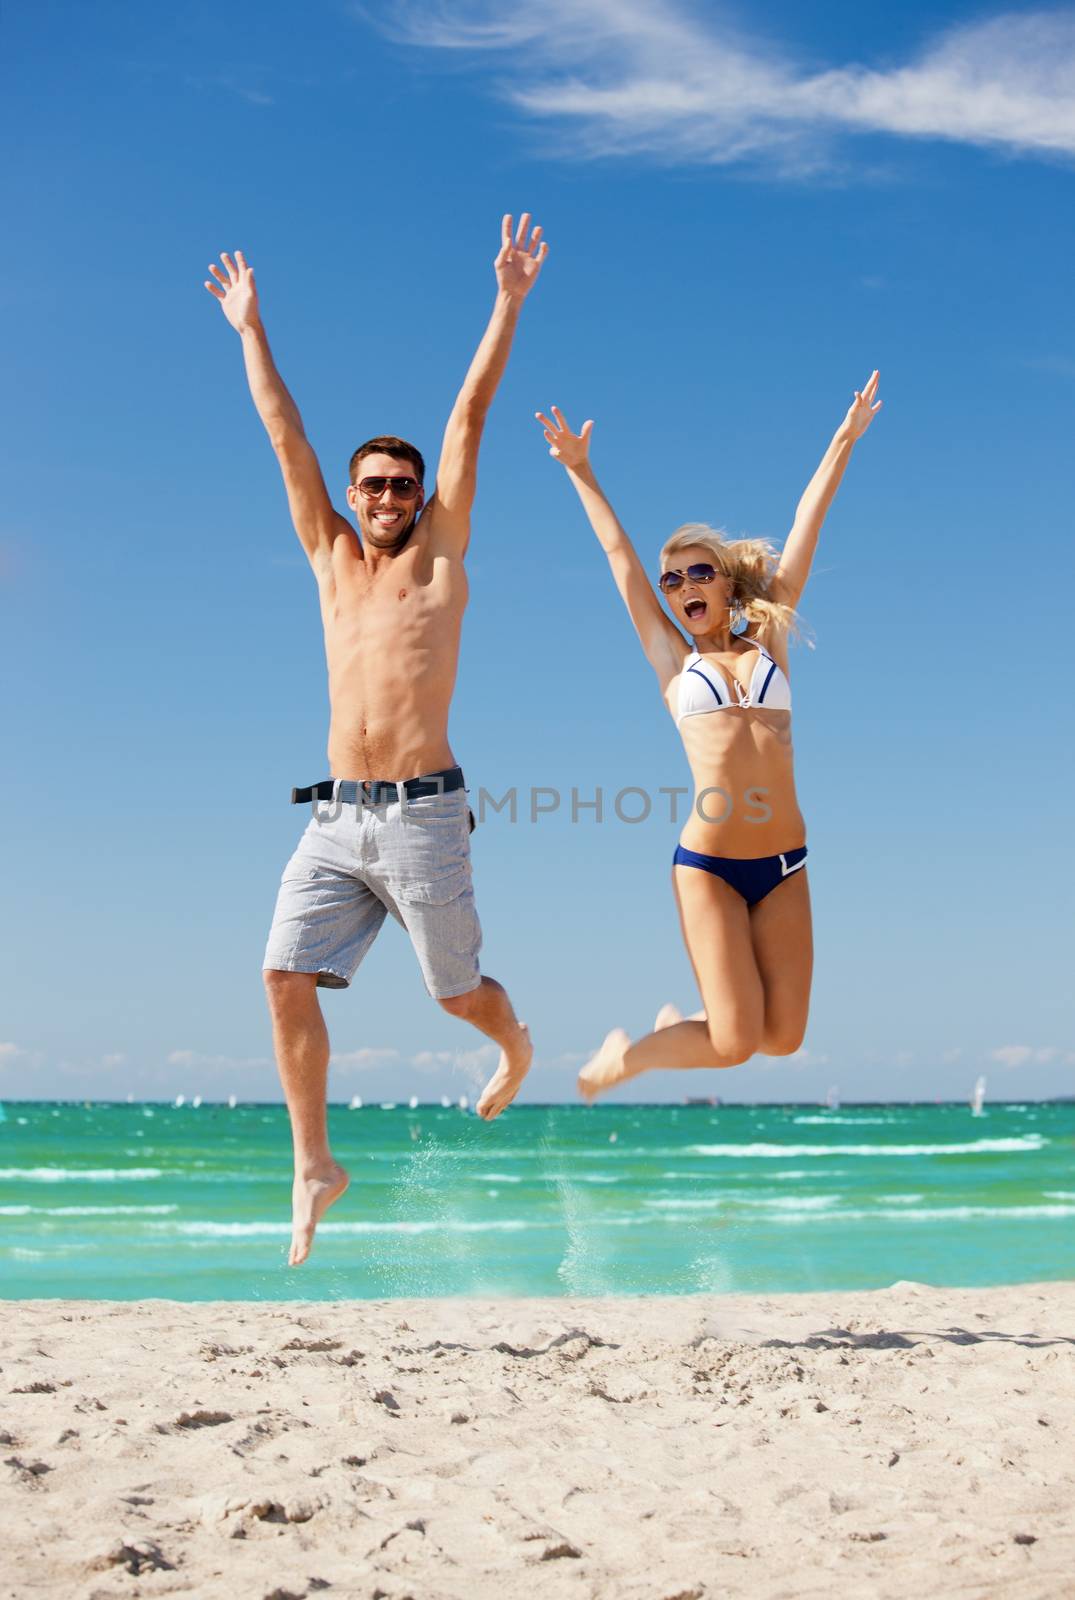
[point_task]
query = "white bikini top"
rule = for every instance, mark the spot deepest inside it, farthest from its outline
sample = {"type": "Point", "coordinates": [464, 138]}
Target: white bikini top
{"type": "Point", "coordinates": [703, 687]}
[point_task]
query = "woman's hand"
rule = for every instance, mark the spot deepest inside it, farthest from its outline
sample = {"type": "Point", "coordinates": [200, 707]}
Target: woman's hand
{"type": "Point", "coordinates": [571, 449]}
{"type": "Point", "coordinates": [862, 410]}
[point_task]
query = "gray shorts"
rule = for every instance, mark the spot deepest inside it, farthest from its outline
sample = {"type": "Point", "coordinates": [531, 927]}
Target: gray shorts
{"type": "Point", "coordinates": [355, 864]}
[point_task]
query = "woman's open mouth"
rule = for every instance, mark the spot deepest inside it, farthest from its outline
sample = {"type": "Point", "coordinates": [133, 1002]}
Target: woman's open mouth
{"type": "Point", "coordinates": [694, 608]}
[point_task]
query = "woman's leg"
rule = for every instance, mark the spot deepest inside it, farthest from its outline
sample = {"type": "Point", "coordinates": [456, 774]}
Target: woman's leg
{"type": "Point", "coordinates": [781, 929]}
{"type": "Point", "coordinates": [717, 931]}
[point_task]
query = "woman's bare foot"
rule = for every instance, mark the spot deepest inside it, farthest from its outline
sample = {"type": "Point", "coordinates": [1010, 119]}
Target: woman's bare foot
{"type": "Point", "coordinates": [605, 1069]}
{"type": "Point", "coordinates": [667, 1017]}
{"type": "Point", "coordinates": [506, 1081]}
{"type": "Point", "coordinates": [311, 1196]}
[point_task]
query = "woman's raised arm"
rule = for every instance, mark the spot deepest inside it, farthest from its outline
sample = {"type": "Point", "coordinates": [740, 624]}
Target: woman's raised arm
{"type": "Point", "coordinates": [797, 557]}
{"type": "Point", "coordinates": [661, 640]}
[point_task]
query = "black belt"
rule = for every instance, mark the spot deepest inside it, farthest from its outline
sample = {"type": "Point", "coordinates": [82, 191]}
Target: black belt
{"type": "Point", "coordinates": [378, 791]}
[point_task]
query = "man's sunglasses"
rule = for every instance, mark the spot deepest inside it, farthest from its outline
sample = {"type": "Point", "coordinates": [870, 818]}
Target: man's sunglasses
{"type": "Point", "coordinates": [373, 488]}
{"type": "Point", "coordinates": [697, 572]}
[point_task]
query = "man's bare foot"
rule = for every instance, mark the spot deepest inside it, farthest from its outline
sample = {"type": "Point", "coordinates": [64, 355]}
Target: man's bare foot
{"type": "Point", "coordinates": [606, 1068]}
{"type": "Point", "coordinates": [311, 1196]}
{"type": "Point", "coordinates": [667, 1017]}
{"type": "Point", "coordinates": [505, 1083]}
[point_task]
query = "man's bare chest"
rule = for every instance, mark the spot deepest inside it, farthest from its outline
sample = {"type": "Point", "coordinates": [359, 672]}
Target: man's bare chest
{"type": "Point", "coordinates": [401, 612]}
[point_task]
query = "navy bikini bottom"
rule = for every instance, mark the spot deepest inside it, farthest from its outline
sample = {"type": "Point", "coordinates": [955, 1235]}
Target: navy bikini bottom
{"type": "Point", "coordinates": [752, 879]}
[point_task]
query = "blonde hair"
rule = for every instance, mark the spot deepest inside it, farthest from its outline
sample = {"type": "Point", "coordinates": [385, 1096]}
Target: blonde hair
{"type": "Point", "coordinates": [748, 564]}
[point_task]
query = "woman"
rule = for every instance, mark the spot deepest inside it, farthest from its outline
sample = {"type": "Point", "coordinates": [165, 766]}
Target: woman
{"type": "Point", "coordinates": [739, 871]}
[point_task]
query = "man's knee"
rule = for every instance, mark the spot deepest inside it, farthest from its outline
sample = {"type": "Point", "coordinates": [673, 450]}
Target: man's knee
{"type": "Point", "coordinates": [286, 990]}
{"type": "Point", "coordinates": [461, 1005]}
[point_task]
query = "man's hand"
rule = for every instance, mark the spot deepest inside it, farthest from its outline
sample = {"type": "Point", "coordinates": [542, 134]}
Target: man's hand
{"type": "Point", "coordinates": [237, 292]}
{"type": "Point", "coordinates": [863, 410]}
{"type": "Point", "coordinates": [519, 262]}
{"type": "Point", "coordinates": [317, 524]}
{"type": "Point", "coordinates": [572, 449]}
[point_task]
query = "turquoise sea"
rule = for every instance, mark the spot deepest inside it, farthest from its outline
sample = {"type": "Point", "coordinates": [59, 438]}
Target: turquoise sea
{"type": "Point", "coordinates": [122, 1201]}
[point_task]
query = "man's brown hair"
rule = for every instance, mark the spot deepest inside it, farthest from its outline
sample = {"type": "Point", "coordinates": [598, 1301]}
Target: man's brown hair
{"type": "Point", "coordinates": [389, 445]}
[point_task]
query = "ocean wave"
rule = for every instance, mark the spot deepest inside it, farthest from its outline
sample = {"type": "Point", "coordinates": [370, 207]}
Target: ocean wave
{"type": "Point", "coordinates": [87, 1211]}
{"type": "Point", "coordinates": [752, 1178]}
{"type": "Point", "coordinates": [244, 1230]}
{"type": "Point", "coordinates": [779, 1152]}
{"type": "Point", "coordinates": [850, 1122]}
{"type": "Point", "coordinates": [812, 1202]}
{"type": "Point", "coordinates": [494, 1177]}
{"type": "Point", "coordinates": [934, 1214]}
{"type": "Point", "coordinates": [80, 1174]}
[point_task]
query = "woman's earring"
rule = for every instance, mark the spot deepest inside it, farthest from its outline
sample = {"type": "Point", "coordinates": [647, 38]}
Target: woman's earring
{"type": "Point", "coordinates": [737, 617]}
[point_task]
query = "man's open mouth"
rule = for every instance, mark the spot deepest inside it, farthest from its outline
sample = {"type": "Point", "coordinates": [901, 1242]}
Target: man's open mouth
{"type": "Point", "coordinates": [694, 608]}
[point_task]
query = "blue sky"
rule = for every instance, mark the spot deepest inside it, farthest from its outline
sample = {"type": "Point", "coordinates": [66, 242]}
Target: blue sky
{"type": "Point", "coordinates": [742, 224]}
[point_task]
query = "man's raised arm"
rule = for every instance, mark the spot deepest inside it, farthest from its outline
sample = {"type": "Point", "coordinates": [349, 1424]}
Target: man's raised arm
{"type": "Point", "coordinates": [316, 522]}
{"type": "Point", "coordinates": [517, 267]}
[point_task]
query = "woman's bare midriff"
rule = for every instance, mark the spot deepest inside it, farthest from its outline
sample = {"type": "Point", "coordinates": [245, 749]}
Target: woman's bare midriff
{"type": "Point", "coordinates": [744, 802]}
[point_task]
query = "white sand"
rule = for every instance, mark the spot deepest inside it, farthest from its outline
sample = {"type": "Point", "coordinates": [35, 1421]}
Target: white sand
{"type": "Point", "coordinates": [914, 1442]}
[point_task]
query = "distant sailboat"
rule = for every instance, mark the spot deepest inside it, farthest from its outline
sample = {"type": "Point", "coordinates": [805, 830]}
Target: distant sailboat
{"type": "Point", "coordinates": [355, 1103]}
{"type": "Point", "coordinates": [196, 1102]}
{"type": "Point", "coordinates": [445, 1102]}
{"type": "Point", "coordinates": [180, 1100]}
{"type": "Point", "coordinates": [832, 1099]}
{"type": "Point", "coordinates": [977, 1099]}
{"type": "Point", "coordinates": [413, 1102]}
{"type": "Point", "coordinates": [232, 1102]}
{"type": "Point", "coordinates": [464, 1102]}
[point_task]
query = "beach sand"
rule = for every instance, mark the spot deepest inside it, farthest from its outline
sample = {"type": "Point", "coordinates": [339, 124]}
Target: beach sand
{"type": "Point", "coordinates": [907, 1442]}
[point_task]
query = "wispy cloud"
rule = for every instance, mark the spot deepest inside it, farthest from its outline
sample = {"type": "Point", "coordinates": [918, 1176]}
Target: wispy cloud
{"type": "Point", "coordinates": [194, 1060]}
{"type": "Point", "coordinates": [1021, 1055]}
{"type": "Point", "coordinates": [658, 77]}
{"type": "Point", "coordinates": [229, 83]}
{"type": "Point", "coordinates": [805, 1058]}
{"type": "Point", "coordinates": [798, 1058]}
{"type": "Point", "coordinates": [366, 1056]}
{"type": "Point", "coordinates": [475, 1065]}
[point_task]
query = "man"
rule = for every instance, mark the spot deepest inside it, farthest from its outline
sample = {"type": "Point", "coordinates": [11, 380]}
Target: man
{"type": "Point", "coordinates": [395, 837]}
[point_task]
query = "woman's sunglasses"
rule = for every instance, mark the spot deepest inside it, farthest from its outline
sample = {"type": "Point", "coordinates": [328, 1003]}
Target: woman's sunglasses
{"type": "Point", "coordinates": [697, 572]}
{"type": "Point", "coordinates": [374, 488]}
